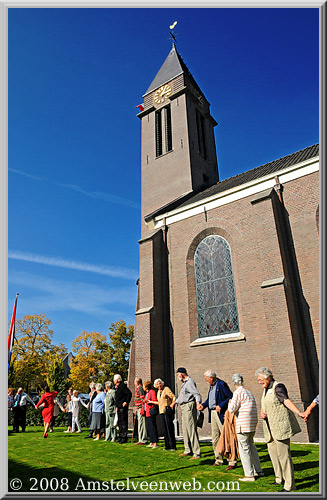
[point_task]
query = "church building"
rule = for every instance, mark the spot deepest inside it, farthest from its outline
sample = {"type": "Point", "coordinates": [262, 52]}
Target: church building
{"type": "Point", "coordinates": [229, 269]}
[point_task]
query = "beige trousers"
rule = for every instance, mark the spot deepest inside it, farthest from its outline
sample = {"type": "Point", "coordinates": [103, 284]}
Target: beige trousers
{"type": "Point", "coordinates": [216, 428]}
{"type": "Point", "coordinates": [141, 427]}
{"type": "Point", "coordinates": [280, 455]}
{"type": "Point", "coordinates": [248, 454]}
{"type": "Point", "coordinates": [190, 432]}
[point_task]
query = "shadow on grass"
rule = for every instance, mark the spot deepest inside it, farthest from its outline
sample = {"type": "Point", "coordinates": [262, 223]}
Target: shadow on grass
{"type": "Point", "coordinates": [54, 479]}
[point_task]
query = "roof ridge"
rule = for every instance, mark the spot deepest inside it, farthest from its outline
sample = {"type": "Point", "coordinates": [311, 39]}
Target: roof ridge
{"type": "Point", "coordinates": [268, 163]}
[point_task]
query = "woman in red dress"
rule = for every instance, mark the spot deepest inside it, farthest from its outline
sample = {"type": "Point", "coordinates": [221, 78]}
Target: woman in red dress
{"type": "Point", "coordinates": [47, 400]}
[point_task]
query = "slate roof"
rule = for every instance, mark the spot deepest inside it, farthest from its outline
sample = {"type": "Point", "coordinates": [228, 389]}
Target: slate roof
{"type": "Point", "coordinates": [238, 180]}
{"type": "Point", "coordinates": [172, 67]}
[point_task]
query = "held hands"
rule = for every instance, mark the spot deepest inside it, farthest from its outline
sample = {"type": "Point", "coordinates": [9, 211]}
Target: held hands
{"type": "Point", "coordinates": [124, 404]}
{"type": "Point", "coordinates": [263, 414]}
{"type": "Point", "coordinates": [304, 415]}
{"type": "Point", "coordinates": [218, 409]}
{"type": "Point", "coordinates": [199, 406]}
{"type": "Point", "coordinates": [172, 405]}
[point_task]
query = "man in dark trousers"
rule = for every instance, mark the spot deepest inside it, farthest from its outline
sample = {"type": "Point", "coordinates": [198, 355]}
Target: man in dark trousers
{"type": "Point", "coordinates": [19, 409]}
{"type": "Point", "coordinates": [217, 402]}
{"type": "Point", "coordinates": [123, 398]}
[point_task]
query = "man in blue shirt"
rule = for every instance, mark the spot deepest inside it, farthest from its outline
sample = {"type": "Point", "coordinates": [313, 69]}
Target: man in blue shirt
{"type": "Point", "coordinates": [217, 402]}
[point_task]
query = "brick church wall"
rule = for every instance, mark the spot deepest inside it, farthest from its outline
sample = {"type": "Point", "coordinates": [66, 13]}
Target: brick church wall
{"type": "Point", "coordinates": [250, 229]}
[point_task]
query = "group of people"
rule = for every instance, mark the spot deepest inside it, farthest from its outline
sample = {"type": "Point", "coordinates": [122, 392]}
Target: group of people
{"type": "Point", "coordinates": [232, 415]}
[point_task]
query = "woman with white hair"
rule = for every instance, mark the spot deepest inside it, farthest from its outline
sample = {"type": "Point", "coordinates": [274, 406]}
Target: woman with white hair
{"type": "Point", "coordinates": [165, 398]}
{"type": "Point", "coordinates": [97, 408]}
{"type": "Point", "coordinates": [244, 407]}
{"type": "Point", "coordinates": [279, 425]}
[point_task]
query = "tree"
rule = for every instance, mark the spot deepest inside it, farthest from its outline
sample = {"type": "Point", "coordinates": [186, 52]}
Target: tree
{"type": "Point", "coordinates": [56, 379]}
{"type": "Point", "coordinates": [88, 363]}
{"type": "Point", "coordinates": [32, 351]}
{"type": "Point", "coordinates": [116, 353]}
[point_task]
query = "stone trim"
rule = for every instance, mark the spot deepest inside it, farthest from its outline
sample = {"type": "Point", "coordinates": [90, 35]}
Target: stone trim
{"type": "Point", "coordinates": [273, 282]}
{"type": "Point", "coordinates": [145, 310]}
{"type": "Point", "coordinates": [231, 337]}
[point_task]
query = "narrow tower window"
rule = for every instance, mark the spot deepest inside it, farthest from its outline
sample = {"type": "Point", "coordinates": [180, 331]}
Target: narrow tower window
{"type": "Point", "coordinates": [200, 125]}
{"type": "Point", "coordinates": [163, 143]}
{"type": "Point", "coordinates": [158, 133]}
{"type": "Point", "coordinates": [169, 145]}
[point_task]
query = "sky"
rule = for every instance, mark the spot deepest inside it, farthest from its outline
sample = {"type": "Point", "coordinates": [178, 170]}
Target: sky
{"type": "Point", "coordinates": [75, 77]}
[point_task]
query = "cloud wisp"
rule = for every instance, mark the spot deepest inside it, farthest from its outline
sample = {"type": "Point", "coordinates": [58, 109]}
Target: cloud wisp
{"type": "Point", "coordinates": [112, 271]}
{"type": "Point", "coordinates": [99, 195]}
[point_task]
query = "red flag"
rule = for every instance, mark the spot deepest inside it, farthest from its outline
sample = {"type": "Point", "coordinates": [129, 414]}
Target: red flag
{"type": "Point", "coordinates": [12, 330]}
{"type": "Point", "coordinates": [140, 106]}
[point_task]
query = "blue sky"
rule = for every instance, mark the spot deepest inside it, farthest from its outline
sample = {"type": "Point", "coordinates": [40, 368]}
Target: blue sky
{"type": "Point", "coordinates": [75, 78]}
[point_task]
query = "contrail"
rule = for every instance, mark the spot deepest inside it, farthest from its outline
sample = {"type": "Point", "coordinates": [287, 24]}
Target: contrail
{"type": "Point", "coordinates": [115, 272]}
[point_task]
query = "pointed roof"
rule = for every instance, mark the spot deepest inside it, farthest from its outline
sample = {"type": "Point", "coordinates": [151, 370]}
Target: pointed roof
{"type": "Point", "coordinates": [172, 67]}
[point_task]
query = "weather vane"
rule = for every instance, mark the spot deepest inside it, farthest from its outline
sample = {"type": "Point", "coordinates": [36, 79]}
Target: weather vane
{"type": "Point", "coordinates": [173, 36]}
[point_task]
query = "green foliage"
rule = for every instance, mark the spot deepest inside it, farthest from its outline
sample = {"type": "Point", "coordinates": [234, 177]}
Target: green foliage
{"type": "Point", "coordinates": [116, 353]}
{"type": "Point", "coordinates": [34, 418]}
{"type": "Point", "coordinates": [56, 379]}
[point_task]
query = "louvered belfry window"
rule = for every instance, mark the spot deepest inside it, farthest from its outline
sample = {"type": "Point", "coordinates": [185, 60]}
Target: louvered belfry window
{"type": "Point", "coordinates": [169, 145]}
{"type": "Point", "coordinates": [215, 290]}
{"type": "Point", "coordinates": [200, 125]}
{"type": "Point", "coordinates": [158, 133]}
{"type": "Point", "coordinates": [163, 117]}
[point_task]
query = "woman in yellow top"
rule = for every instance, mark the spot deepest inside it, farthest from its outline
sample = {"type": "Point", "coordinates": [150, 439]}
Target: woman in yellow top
{"type": "Point", "coordinates": [166, 414]}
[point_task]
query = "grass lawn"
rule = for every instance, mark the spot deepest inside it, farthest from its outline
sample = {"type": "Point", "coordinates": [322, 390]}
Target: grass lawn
{"type": "Point", "coordinates": [68, 462]}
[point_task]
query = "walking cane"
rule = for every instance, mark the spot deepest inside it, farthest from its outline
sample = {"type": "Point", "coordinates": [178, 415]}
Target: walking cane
{"type": "Point", "coordinates": [133, 428]}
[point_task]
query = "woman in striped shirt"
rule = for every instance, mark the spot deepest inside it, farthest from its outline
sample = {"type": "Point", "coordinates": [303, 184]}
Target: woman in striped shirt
{"type": "Point", "coordinates": [244, 406]}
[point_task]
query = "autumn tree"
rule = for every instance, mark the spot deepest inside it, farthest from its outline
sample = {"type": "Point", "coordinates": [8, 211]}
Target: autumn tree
{"type": "Point", "coordinates": [88, 363]}
{"type": "Point", "coordinates": [116, 353]}
{"type": "Point", "coordinates": [33, 351]}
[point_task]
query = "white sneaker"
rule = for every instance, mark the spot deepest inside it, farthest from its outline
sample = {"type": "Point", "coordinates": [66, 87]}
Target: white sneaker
{"type": "Point", "coordinates": [246, 479]}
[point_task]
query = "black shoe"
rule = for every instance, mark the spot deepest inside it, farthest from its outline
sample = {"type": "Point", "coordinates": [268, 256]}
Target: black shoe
{"type": "Point", "coordinates": [276, 484]}
{"type": "Point", "coordinates": [88, 437]}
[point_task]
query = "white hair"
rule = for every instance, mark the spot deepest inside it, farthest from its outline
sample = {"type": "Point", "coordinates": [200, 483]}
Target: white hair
{"type": "Point", "coordinates": [157, 380]}
{"type": "Point", "coordinates": [117, 378]}
{"type": "Point", "coordinates": [237, 379]}
{"type": "Point", "coordinates": [108, 384]}
{"type": "Point", "coordinates": [265, 372]}
{"type": "Point", "coordinates": [92, 385]}
{"type": "Point", "coordinates": [99, 387]}
{"type": "Point", "coordinates": [210, 373]}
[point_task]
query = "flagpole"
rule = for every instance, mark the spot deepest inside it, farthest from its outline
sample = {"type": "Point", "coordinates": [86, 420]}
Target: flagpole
{"type": "Point", "coordinates": [12, 331]}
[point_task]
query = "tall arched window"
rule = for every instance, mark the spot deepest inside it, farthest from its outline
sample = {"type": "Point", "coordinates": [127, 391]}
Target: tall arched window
{"type": "Point", "coordinates": [215, 291]}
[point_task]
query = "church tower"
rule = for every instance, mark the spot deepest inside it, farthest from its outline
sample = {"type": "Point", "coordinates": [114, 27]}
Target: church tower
{"type": "Point", "coordinates": [178, 145]}
{"type": "Point", "coordinates": [178, 160]}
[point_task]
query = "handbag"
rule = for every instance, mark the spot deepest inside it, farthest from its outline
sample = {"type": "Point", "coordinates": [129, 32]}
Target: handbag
{"type": "Point", "coordinates": [115, 419]}
{"type": "Point", "coordinates": [154, 411]}
{"type": "Point", "coordinates": [200, 418]}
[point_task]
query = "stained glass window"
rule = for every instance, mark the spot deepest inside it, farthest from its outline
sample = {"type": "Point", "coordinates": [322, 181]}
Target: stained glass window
{"type": "Point", "coordinates": [215, 290]}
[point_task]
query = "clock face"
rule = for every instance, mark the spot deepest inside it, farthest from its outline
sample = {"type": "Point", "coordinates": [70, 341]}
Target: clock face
{"type": "Point", "coordinates": [162, 94]}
